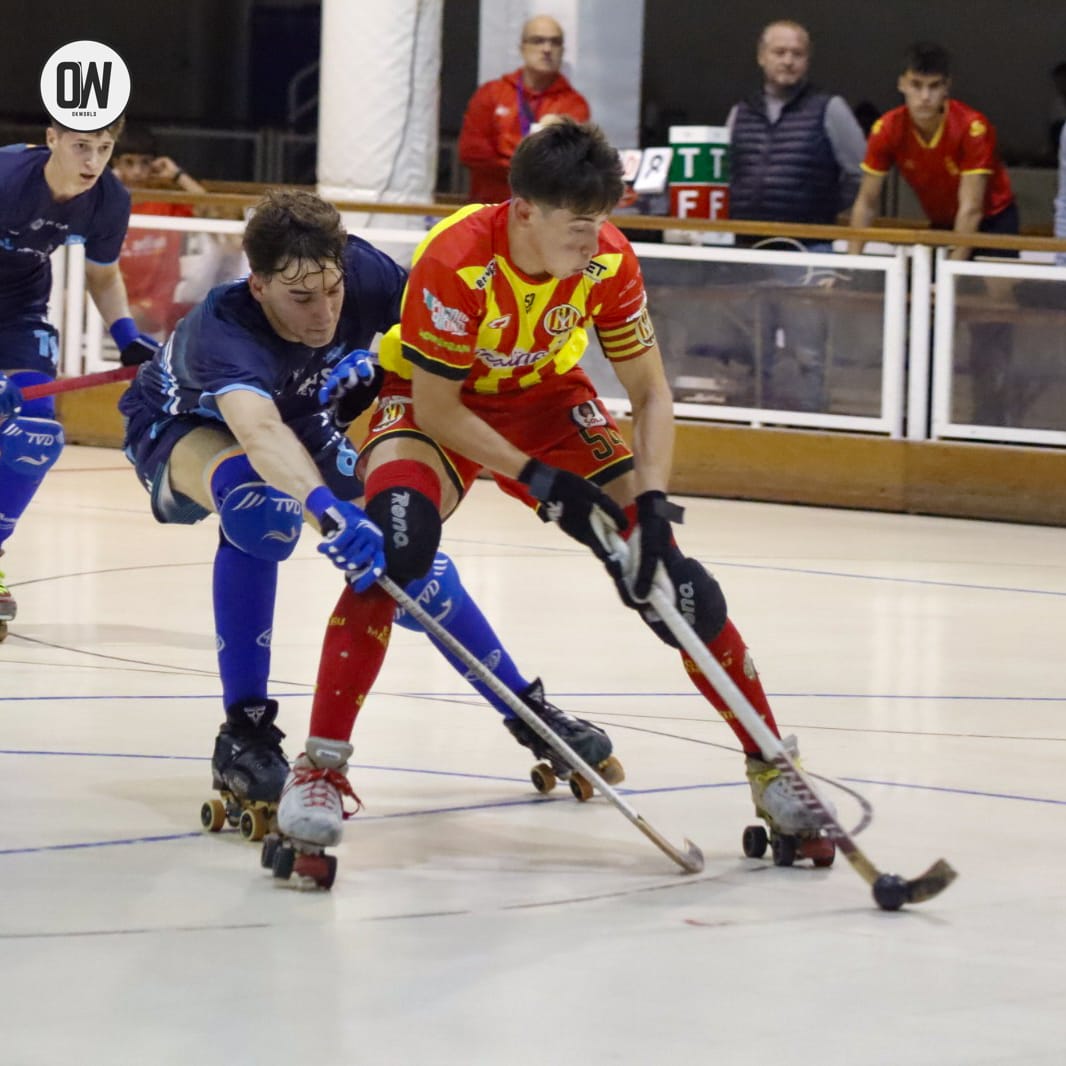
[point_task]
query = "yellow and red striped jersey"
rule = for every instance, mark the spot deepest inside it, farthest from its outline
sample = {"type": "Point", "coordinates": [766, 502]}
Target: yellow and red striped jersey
{"type": "Point", "coordinates": [470, 314]}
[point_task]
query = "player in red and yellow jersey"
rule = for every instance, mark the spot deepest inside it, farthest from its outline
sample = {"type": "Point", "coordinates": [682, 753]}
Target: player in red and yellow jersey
{"type": "Point", "coordinates": [483, 374]}
{"type": "Point", "coordinates": [945, 151]}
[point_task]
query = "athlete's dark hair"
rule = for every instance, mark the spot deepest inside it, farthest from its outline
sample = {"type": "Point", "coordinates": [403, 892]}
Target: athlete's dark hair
{"type": "Point", "coordinates": [568, 164]}
{"type": "Point", "coordinates": [292, 224]}
{"type": "Point", "coordinates": [137, 140]}
{"type": "Point", "coordinates": [925, 57]}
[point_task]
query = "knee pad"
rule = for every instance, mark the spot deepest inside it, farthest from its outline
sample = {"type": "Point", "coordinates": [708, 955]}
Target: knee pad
{"type": "Point", "coordinates": [261, 520]}
{"type": "Point", "coordinates": [411, 525]}
{"type": "Point", "coordinates": [697, 596]}
{"type": "Point", "coordinates": [439, 593]}
{"type": "Point", "coordinates": [30, 446]}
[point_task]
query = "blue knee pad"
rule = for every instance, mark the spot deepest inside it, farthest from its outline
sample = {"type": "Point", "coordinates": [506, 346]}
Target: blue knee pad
{"type": "Point", "coordinates": [30, 446]}
{"type": "Point", "coordinates": [439, 593]}
{"type": "Point", "coordinates": [255, 517]}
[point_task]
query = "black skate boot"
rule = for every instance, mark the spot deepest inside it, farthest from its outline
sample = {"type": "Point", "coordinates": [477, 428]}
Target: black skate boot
{"type": "Point", "coordinates": [588, 740]}
{"type": "Point", "coordinates": [248, 768]}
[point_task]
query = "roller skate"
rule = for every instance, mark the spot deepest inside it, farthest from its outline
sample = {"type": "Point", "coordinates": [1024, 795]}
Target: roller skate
{"type": "Point", "coordinates": [311, 815]}
{"type": "Point", "coordinates": [795, 832]}
{"type": "Point", "coordinates": [588, 740]}
{"type": "Point", "coordinates": [248, 770]}
{"type": "Point", "coordinates": [8, 606]}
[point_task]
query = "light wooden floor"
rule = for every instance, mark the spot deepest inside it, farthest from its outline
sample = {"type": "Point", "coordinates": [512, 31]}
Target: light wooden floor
{"type": "Point", "coordinates": [919, 660]}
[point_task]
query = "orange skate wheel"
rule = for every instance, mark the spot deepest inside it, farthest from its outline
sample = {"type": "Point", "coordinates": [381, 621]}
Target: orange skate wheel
{"type": "Point", "coordinates": [543, 777]}
{"type": "Point", "coordinates": [253, 823]}
{"type": "Point", "coordinates": [322, 869]}
{"type": "Point", "coordinates": [612, 771]}
{"type": "Point", "coordinates": [581, 788]}
{"type": "Point", "coordinates": [820, 850]}
{"type": "Point", "coordinates": [213, 815]}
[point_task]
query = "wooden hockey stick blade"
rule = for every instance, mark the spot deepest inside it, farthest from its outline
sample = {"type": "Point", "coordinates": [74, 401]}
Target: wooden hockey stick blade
{"type": "Point", "coordinates": [689, 858]}
{"type": "Point", "coordinates": [931, 883]}
{"type": "Point", "coordinates": [84, 381]}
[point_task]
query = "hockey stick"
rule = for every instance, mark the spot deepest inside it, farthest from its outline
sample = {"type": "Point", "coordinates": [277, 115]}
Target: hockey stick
{"type": "Point", "coordinates": [84, 381]}
{"type": "Point", "coordinates": [689, 858]}
{"type": "Point", "coordinates": [889, 890]}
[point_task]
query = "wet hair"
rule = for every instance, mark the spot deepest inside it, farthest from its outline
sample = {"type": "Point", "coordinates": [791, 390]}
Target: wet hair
{"type": "Point", "coordinates": [925, 57]}
{"type": "Point", "coordinates": [568, 165]}
{"type": "Point", "coordinates": [115, 128]}
{"type": "Point", "coordinates": [137, 140]}
{"type": "Point", "coordinates": [289, 225]}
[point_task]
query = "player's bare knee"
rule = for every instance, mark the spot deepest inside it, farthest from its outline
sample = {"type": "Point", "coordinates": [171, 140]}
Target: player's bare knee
{"type": "Point", "coordinates": [30, 446]}
{"type": "Point", "coordinates": [411, 526]}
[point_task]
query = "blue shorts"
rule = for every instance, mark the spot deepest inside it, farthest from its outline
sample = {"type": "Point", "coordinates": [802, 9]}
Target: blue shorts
{"type": "Point", "coordinates": [151, 436]}
{"type": "Point", "coordinates": [29, 344]}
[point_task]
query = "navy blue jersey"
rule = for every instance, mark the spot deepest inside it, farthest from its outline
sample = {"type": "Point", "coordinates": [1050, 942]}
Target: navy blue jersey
{"type": "Point", "coordinates": [226, 343]}
{"type": "Point", "coordinates": [33, 225]}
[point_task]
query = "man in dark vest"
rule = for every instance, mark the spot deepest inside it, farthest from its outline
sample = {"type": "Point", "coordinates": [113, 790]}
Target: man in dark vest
{"type": "Point", "coordinates": [795, 157]}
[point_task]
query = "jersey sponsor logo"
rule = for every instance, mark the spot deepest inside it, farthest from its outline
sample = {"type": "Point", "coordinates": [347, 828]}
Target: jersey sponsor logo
{"type": "Point", "coordinates": [519, 357]}
{"type": "Point", "coordinates": [486, 275]}
{"type": "Point", "coordinates": [528, 299]}
{"type": "Point", "coordinates": [562, 319]}
{"type": "Point", "coordinates": [595, 270]}
{"type": "Point", "coordinates": [499, 323]}
{"type": "Point", "coordinates": [440, 342]}
{"type": "Point", "coordinates": [587, 415]}
{"type": "Point", "coordinates": [446, 319]}
{"type": "Point", "coordinates": [645, 330]}
{"type": "Point", "coordinates": [978, 128]}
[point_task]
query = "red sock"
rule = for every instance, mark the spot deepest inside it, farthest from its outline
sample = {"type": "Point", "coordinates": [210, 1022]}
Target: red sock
{"type": "Point", "coordinates": [729, 649]}
{"type": "Point", "coordinates": [353, 650]}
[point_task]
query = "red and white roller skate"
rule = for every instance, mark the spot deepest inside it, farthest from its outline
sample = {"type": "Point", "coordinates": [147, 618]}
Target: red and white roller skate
{"type": "Point", "coordinates": [795, 831]}
{"type": "Point", "coordinates": [311, 815]}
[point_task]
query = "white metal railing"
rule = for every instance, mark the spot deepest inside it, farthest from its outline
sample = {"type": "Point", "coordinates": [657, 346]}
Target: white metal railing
{"type": "Point", "coordinates": [902, 281]}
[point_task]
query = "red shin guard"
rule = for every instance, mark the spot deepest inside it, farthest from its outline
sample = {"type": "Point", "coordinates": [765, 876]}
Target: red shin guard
{"type": "Point", "coordinates": [353, 650]}
{"type": "Point", "coordinates": [729, 649]}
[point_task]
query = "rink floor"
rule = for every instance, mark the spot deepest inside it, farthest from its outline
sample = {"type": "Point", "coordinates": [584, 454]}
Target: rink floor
{"type": "Point", "coordinates": [919, 660]}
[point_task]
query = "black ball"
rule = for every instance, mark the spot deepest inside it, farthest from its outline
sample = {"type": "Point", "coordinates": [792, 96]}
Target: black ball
{"type": "Point", "coordinates": [890, 892]}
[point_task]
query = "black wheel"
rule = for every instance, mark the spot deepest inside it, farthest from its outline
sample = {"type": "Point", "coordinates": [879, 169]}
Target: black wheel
{"type": "Point", "coordinates": [283, 860]}
{"type": "Point", "coordinates": [754, 841]}
{"type": "Point", "coordinates": [784, 850]}
{"type": "Point", "coordinates": [270, 846]}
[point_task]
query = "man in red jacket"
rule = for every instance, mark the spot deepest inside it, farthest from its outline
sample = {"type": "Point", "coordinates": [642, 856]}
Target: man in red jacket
{"type": "Point", "coordinates": [504, 111]}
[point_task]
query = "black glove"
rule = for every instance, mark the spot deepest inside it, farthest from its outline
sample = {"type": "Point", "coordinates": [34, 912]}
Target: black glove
{"type": "Point", "coordinates": [139, 350]}
{"type": "Point", "coordinates": [570, 501]}
{"type": "Point", "coordinates": [654, 515]}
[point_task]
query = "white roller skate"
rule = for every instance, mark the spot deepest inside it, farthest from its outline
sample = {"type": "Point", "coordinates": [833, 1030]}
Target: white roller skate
{"type": "Point", "coordinates": [311, 814]}
{"type": "Point", "coordinates": [795, 831]}
{"type": "Point", "coordinates": [8, 606]}
{"type": "Point", "coordinates": [588, 740]}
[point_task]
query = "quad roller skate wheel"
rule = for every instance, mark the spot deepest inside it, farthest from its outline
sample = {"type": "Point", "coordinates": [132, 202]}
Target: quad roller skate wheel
{"type": "Point", "coordinates": [254, 823]}
{"type": "Point", "coordinates": [754, 841]}
{"type": "Point", "coordinates": [820, 850]}
{"type": "Point", "coordinates": [543, 777]}
{"type": "Point", "coordinates": [612, 771]}
{"type": "Point", "coordinates": [3, 631]}
{"type": "Point", "coordinates": [213, 815]}
{"type": "Point", "coordinates": [320, 868]}
{"type": "Point", "coordinates": [581, 788]}
{"type": "Point", "coordinates": [271, 843]}
{"type": "Point", "coordinates": [783, 849]}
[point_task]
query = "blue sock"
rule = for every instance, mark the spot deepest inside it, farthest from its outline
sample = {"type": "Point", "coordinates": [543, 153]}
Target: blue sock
{"type": "Point", "coordinates": [442, 595]}
{"type": "Point", "coordinates": [244, 588]}
{"type": "Point", "coordinates": [16, 489]}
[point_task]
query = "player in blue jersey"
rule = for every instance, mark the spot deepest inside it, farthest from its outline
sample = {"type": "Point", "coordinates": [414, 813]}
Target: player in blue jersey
{"type": "Point", "coordinates": [59, 193]}
{"type": "Point", "coordinates": [230, 417]}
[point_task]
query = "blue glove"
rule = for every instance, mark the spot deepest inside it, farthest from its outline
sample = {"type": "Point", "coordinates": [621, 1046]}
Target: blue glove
{"type": "Point", "coordinates": [10, 397]}
{"type": "Point", "coordinates": [351, 387]}
{"type": "Point", "coordinates": [134, 347]}
{"type": "Point", "coordinates": [353, 543]}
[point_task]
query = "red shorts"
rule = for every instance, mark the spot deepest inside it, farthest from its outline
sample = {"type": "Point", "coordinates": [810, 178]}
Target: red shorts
{"type": "Point", "coordinates": [560, 421]}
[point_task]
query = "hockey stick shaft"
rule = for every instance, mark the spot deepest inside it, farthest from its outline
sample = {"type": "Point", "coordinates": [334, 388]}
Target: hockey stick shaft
{"type": "Point", "coordinates": [689, 858]}
{"type": "Point", "coordinates": [929, 884]}
{"type": "Point", "coordinates": [83, 381]}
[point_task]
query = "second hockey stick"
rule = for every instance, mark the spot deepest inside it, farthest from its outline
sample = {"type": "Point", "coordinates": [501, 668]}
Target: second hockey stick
{"type": "Point", "coordinates": [689, 857]}
{"type": "Point", "coordinates": [82, 381]}
{"type": "Point", "coordinates": [889, 890]}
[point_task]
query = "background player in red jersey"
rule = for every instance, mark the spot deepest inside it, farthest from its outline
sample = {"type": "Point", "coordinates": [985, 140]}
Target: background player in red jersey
{"type": "Point", "coordinates": [482, 374]}
{"type": "Point", "coordinates": [947, 153]}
